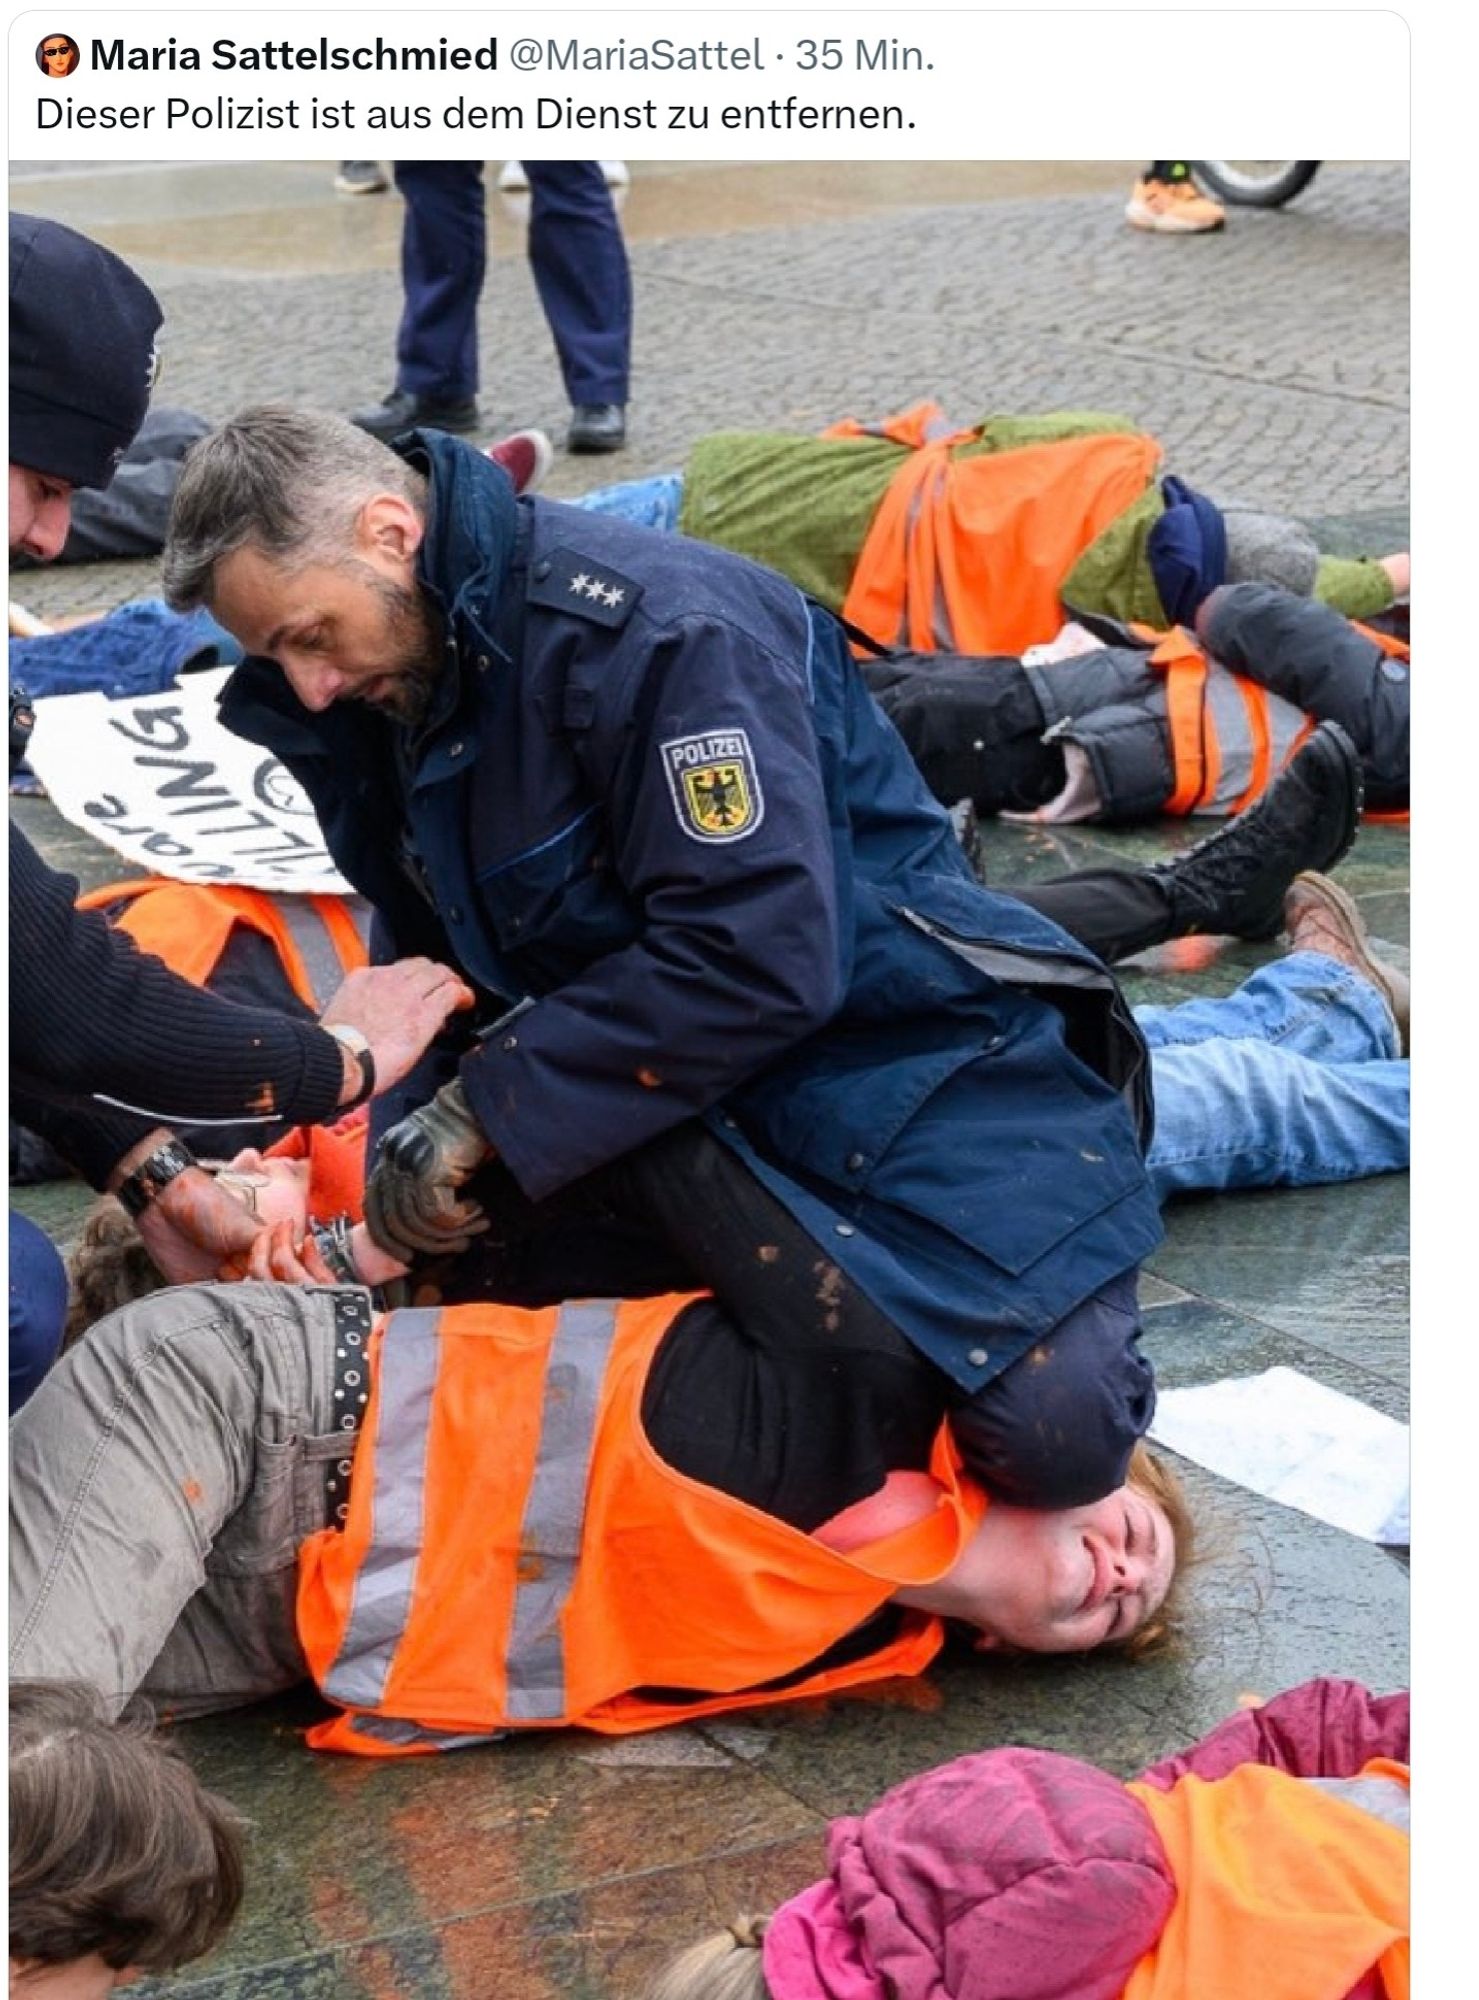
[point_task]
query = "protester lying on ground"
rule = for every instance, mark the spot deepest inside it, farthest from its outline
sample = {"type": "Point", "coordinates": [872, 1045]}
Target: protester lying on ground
{"type": "Point", "coordinates": [617, 1515]}
{"type": "Point", "coordinates": [982, 541]}
{"type": "Point", "coordinates": [107, 1048]}
{"type": "Point", "coordinates": [120, 1862]}
{"type": "Point", "coordinates": [1296, 1079]}
{"type": "Point", "coordinates": [1270, 1858]}
{"type": "Point", "coordinates": [1082, 730]}
{"type": "Point", "coordinates": [697, 884]}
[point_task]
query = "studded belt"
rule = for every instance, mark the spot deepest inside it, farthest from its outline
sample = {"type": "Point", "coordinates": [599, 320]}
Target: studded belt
{"type": "Point", "coordinates": [352, 1324]}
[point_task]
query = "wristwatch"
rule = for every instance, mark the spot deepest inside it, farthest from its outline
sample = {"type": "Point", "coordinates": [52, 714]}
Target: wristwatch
{"type": "Point", "coordinates": [151, 1177]}
{"type": "Point", "coordinates": [359, 1047]}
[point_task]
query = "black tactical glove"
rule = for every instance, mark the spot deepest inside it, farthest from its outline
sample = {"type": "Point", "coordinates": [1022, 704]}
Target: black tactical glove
{"type": "Point", "coordinates": [411, 1205]}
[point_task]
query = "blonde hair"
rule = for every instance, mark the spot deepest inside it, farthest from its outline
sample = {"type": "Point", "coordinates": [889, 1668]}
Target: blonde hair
{"type": "Point", "coordinates": [109, 1268]}
{"type": "Point", "coordinates": [1154, 1480]}
{"type": "Point", "coordinates": [726, 1966]}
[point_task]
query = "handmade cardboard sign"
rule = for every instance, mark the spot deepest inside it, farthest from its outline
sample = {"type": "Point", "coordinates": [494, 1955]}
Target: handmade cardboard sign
{"type": "Point", "coordinates": [158, 778]}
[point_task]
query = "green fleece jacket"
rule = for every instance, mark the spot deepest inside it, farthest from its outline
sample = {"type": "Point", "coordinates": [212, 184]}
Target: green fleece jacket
{"type": "Point", "coordinates": [803, 506]}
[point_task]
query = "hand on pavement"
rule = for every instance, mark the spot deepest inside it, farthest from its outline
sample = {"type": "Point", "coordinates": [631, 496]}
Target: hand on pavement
{"type": "Point", "coordinates": [398, 1009]}
{"type": "Point", "coordinates": [411, 1205]}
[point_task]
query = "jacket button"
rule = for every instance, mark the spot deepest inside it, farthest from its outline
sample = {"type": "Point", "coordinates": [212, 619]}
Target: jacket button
{"type": "Point", "coordinates": [509, 1042]}
{"type": "Point", "coordinates": [846, 1229]}
{"type": "Point", "coordinates": [978, 1357]}
{"type": "Point", "coordinates": [542, 570]}
{"type": "Point", "coordinates": [457, 750]}
{"type": "Point", "coordinates": [856, 1162]}
{"type": "Point", "coordinates": [455, 913]}
{"type": "Point", "coordinates": [483, 663]}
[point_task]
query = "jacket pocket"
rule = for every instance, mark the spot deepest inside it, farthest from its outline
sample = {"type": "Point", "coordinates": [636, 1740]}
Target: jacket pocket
{"type": "Point", "coordinates": [560, 900]}
{"type": "Point", "coordinates": [263, 1534]}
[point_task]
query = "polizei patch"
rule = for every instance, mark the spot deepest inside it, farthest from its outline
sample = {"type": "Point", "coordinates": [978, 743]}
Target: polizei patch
{"type": "Point", "coordinates": [715, 786]}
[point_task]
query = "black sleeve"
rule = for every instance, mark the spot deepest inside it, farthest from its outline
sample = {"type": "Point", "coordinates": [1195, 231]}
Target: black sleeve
{"type": "Point", "coordinates": [93, 1017]}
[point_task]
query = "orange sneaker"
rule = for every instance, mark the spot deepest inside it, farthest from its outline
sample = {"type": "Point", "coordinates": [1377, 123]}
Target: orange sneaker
{"type": "Point", "coordinates": [1178, 208]}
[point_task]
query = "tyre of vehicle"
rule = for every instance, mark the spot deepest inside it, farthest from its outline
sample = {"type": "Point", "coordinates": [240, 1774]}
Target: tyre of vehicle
{"type": "Point", "coordinates": [1255, 183]}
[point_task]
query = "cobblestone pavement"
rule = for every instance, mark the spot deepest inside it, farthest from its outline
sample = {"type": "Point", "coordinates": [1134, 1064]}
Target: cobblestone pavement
{"type": "Point", "coordinates": [1272, 361]}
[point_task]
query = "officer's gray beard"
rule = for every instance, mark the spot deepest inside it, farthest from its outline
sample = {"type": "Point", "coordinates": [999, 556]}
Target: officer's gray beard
{"type": "Point", "coordinates": [413, 650]}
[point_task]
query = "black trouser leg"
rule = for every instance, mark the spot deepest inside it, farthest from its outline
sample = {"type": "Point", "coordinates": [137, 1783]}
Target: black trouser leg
{"type": "Point", "coordinates": [742, 1244]}
{"type": "Point", "coordinates": [1053, 1430]}
{"type": "Point", "coordinates": [1114, 911]}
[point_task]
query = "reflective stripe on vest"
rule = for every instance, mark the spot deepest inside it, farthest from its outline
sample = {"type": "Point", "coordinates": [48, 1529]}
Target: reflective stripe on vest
{"type": "Point", "coordinates": [556, 1509]}
{"type": "Point", "coordinates": [389, 1735]}
{"type": "Point", "coordinates": [322, 965]}
{"type": "Point", "coordinates": [386, 1579]}
{"type": "Point", "coordinates": [1384, 1798]}
{"type": "Point", "coordinates": [1228, 735]}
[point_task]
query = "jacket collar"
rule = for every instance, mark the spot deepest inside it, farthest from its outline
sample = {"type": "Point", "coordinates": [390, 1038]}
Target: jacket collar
{"type": "Point", "coordinates": [471, 522]}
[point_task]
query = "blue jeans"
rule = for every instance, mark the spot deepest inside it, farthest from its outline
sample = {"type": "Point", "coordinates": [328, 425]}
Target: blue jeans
{"type": "Point", "coordinates": [648, 503]}
{"type": "Point", "coordinates": [38, 1306]}
{"type": "Point", "coordinates": [1294, 1080]}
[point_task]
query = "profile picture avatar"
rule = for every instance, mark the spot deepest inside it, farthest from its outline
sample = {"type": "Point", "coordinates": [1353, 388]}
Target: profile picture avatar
{"type": "Point", "coordinates": [57, 55]}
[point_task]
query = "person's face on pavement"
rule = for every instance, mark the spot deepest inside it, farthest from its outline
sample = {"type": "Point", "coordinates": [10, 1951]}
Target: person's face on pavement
{"type": "Point", "coordinates": [358, 629]}
{"type": "Point", "coordinates": [40, 513]}
{"type": "Point", "coordinates": [1069, 1579]}
{"type": "Point", "coordinates": [272, 1191]}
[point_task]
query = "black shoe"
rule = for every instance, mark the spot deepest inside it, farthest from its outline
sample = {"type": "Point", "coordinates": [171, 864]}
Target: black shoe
{"type": "Point", "coordinates": [401, 411]}
{"type": "Point", "coordinates": [1232, 883]}
{"type": "Point", "coordinates": [597, 427]}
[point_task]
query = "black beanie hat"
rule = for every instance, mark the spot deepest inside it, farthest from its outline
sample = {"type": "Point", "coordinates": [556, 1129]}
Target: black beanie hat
{"type": "Point", "coordinates": [82, 355]}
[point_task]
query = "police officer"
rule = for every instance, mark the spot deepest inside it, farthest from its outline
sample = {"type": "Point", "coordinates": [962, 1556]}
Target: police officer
{"type": "Point", "coordinates": [732, 962]}
{"type": "Point", "coordinates": [105, 1043]}
{"type": "Point", "coordinates": [580, 268]}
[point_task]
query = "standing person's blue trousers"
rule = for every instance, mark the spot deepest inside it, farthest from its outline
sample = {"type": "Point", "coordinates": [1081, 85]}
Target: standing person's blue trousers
{"type": "Point", "coordinates": [1294, 1080]}
{"type": "Point", "coordinates": [38, 1306]}
{"type": "Point", "coordinates": [577, 256]}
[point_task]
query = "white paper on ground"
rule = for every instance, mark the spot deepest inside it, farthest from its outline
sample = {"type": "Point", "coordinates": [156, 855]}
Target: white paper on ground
{"type": "Point", "coordinates": [161, 780]}
{"type": "Point", "coordinates": [1290, 1438]}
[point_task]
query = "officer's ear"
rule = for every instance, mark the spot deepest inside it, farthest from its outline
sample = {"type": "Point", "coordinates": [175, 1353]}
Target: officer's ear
{"type": "Point", "coordinates": [389, 527]}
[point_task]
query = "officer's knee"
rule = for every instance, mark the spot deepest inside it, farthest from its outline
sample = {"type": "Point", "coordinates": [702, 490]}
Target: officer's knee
{"type": "Point", "coordinates": [1056, 1429]}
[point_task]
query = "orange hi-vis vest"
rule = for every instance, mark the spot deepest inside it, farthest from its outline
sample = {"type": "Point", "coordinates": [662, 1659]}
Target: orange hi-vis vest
{"type": "Point", "coordinates": [187, 924]}
{"type": "Point", "coordinates": [1287, 1888]}
{"type": "Point", "coordinates": [516, 1555]}
{"type": "Point", "coordinates": [969, 555]}
{"type": "Point", "coordinates": [1229, 736]}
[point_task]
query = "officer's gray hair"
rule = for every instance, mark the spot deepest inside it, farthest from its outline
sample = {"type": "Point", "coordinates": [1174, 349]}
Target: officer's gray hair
{"type": "Point", "coordinates": [288, 482]}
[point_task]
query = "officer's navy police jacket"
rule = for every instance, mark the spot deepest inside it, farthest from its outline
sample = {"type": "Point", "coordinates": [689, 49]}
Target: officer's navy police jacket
{"type": "Point", "coordinates": [656, 818]}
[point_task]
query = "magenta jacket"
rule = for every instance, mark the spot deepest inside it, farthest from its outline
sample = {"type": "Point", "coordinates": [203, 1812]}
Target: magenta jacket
{"type": "Point", "coordinates": [1023, 1875]}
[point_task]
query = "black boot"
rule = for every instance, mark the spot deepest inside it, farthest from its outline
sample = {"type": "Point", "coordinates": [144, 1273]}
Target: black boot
{"type": "Point", "coordinates": [403, 411]}
{"type": "Point", "coordinates": [1232, 883]}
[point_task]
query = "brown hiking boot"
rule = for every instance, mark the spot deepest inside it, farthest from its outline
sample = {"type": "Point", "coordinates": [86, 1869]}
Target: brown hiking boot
{"type": "Point", "coordinates": [1320, 916]}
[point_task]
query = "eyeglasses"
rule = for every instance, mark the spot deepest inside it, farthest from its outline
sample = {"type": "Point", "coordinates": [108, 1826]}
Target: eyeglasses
{"type": "Point", "coordinates": [59, 49]}
{"type": "Point", "coordinates": [243, 1183]}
